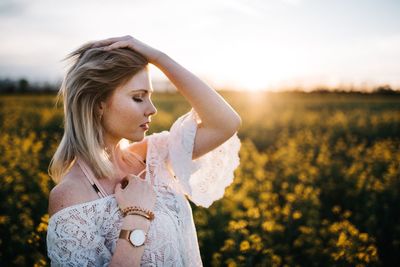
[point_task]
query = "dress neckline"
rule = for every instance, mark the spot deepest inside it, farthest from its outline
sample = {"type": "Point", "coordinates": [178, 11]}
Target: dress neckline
{"type": "Point", "coordinates": [107, 196]}
{"type": "Point", "coordinates": [78, 205]}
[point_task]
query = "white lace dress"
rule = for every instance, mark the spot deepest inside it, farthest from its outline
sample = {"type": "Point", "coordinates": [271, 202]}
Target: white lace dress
{"type": "Point", "coordinates": [86, 234]}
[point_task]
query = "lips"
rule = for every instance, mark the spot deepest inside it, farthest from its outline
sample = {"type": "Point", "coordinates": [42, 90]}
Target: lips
{"type": "Point", "coordinates": [145, 126]}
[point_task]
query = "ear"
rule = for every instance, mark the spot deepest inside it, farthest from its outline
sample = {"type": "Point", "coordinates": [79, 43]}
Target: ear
{"type": "Point", "coordinates": [100, 107]}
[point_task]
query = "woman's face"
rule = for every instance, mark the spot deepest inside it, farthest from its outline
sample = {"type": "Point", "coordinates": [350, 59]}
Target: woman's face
{"type": "Point", "coordinates": [127, 108]}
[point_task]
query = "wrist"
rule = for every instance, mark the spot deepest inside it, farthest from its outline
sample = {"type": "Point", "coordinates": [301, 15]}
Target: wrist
{"type": "Point", "coordinates": [135, 210]}
{"type": "Point", "coordinates": [158, 58]}
{"type": "Point", "coordinates": [135, 221]}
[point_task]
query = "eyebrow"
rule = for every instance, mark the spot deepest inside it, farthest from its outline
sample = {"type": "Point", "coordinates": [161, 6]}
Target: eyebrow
{"type": "Point", "coordinates": [143, 90]}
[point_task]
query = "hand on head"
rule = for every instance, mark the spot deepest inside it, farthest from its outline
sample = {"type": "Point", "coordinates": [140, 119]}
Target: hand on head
{"type": "Point", "coordinates": [128, 41]}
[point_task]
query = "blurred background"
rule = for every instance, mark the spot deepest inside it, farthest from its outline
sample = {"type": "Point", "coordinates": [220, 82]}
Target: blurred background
{"type": "Point", "coordinates": [317, 86]}
{"type": "Point", "coordinates": [237, 44]}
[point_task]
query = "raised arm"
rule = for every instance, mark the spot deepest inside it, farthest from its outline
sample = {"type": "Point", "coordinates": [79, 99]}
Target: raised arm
{"type": "Point", "coordinates": [219, 121]}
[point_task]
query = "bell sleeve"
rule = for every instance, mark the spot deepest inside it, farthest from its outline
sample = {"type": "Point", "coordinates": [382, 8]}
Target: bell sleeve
{"type": "Point", "coordinates": [73, 240]}
{"type": "Point", "coordinates": [204, 179]}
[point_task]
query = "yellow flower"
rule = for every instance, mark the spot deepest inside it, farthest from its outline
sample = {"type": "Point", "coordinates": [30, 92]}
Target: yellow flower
{"type": "Point", "coordinates": [347, 214]}
{"type": "Point", "coordinates": [305, 229]}
{"type": "Point", "coordinates": [228, 245]}
{"type": "Point", "coordinates": [276, 260]}
{"type": "Point", "coordinates": [268, 226]}
{"type": "Point", "coordinates": [336, 209]}
{"type": "Point", "coordinates": [256, 242]}
{"type": "Point", "coordinates": [298, 189]}
{"type": "Point", "coordinates": [42, 227]}
{"type": "Point", "coordinates": [372, 250]}
{"type": "Point", "coordinates": [4, 219]}
{"type": "Point", "coordinates": [286, 210]}
{"type": "Point", "coordinates": [361, 255]}
{"type": "Point", "coordinates": [244, 245]}
{"type": "Point", "coordinates": [284, 185]}
{"type": "Point", "coordinates": [253, 213]}
{"type": "Point", "coordinates": [363, 237]}
{"type": "Point", "coordinates": [290, 197]}
{"type": "Point", "coordinates": [216, 259]}
{"type": "Point", "coordinates": [297, 215]}
{"type": "Point", "coordinates": [234, 226]}
{"type": "Point", "coordinates": [255, 238]}
{"type": "Point", "coordinates": [248, 203]}
{"type": "Point", "coordinates": [264, 196]}
{"type": "Point", "coordinates": [342, 240]}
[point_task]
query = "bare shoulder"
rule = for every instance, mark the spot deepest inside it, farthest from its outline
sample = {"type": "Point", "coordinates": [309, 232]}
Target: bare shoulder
{"type": "Point", "coordinates": [70, 191]}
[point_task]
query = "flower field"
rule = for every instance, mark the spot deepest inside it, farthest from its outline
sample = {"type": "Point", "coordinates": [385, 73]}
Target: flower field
{"type": "Point", "coordinates": [318, 183]}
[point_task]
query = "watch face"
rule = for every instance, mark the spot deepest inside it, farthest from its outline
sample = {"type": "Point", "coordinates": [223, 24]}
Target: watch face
{"type": "Point", "coordinates": [137, 237]}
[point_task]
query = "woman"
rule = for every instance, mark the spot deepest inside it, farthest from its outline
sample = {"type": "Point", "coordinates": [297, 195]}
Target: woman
{"type": "Point", "coordinates": [118, 203]}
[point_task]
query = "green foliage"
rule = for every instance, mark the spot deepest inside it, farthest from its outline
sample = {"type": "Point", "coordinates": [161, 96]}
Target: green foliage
{"type": "Point", "coordinates": [318, 183]}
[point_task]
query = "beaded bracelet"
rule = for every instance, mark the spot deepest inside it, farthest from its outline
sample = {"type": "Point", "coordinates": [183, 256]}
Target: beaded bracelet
{"type": "Point", "coordinates": [149, 214]}
{"type": "Point", "coordinates": [138, 213]}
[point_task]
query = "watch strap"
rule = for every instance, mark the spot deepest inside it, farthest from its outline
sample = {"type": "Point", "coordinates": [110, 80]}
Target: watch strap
{"type": "Point", "coordinates": [124, 234]}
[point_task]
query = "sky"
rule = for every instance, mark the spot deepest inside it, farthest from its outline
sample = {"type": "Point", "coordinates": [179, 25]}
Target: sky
{"type": "Point", "coordinates": [236, 44]}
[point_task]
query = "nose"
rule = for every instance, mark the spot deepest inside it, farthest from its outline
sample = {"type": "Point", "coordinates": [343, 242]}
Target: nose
{"type": "Point", "coordinates": [152, 109]}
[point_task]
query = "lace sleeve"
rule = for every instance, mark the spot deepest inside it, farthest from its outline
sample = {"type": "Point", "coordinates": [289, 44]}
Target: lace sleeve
{"type": "Point", "coordinates": [204, 179]}
{"type": "Point", "coordinates": [74, 240]}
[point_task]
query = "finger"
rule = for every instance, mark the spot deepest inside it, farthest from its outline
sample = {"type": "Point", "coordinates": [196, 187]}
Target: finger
{"type": "Point", "coordinates": [102, 43]}
{"type": "Point", "coordinates": [119, 44]}
{"type": "Point", "coordinates": [105, 42]}
{"type": "Point", "coordinates": [118, 187]}
{"type": "Point", "coordinates": [131, 177]}
{"type": "Point", "coordinates": [136, 178]}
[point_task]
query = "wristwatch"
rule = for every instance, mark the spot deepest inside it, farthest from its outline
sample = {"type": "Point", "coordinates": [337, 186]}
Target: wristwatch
{"type": "Point", "coordinates": [136, 237]}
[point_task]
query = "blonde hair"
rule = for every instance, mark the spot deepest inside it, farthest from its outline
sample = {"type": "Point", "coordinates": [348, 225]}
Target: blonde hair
{"type": "Point", "coordinates": [92, 78]}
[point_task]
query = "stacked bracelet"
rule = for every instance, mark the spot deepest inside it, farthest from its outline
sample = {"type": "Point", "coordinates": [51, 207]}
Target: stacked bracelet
{"type": "Point", "coordinates": [138, 211]}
